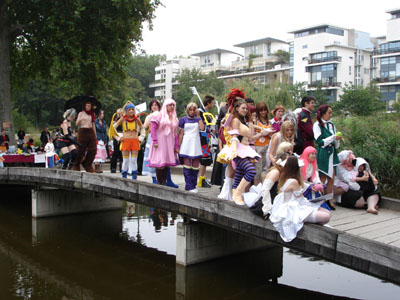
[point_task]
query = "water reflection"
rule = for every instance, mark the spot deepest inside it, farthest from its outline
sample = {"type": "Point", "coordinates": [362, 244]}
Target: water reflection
{"type": "Point", "coordinates": [129, 254]}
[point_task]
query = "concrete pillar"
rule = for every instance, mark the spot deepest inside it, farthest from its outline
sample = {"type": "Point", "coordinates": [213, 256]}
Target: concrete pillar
{"type": "Point", "coordinates": [198, 242]}
{"type": "Point", "coordinates": [55, 202]}
{"type": "Point", "coordinates": [242, 274]}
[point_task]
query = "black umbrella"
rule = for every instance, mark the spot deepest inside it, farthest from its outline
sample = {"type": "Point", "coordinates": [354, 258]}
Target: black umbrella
{"type": "Point", "coordinates": [78, 103]}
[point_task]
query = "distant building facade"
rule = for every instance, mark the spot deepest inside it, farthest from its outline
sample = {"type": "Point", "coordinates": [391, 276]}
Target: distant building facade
{"type": "Point", "coordinates": [259, 62]}
{"type": "Point", "coordinates": [330, 57]}
{"type": "Point", "coordinates": [217, 60]}
{"type": "Point", "coordinates": [166, 73]}
{"type": "Point", "coordinates": [386, 59]}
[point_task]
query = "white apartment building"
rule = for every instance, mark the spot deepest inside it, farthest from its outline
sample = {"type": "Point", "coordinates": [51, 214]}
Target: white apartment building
{"type": "Point", "coordinates": [166, 72]}
{"type": "Point", "coordinates": [330, 56]}
{"type": "Point", "coordinates": [259, 63]}
{"type": "Point", "coordinates": [386, 59]}
{"type": "Point", "coordinates": [217, 60]}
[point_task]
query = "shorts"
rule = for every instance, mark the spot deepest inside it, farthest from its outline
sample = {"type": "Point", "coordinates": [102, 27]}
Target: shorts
{"type": "Point", "coordinates": [130, 145]}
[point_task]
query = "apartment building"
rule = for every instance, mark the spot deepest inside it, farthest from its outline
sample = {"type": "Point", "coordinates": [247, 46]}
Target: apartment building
{"type": "Point", "coordinates": [259, 62]}
{"type": "Point", "coordinates": [217, 60]}
{"type": "Point", "coordinates": [330, 56]}
{"type": "Point", "coordinates": [166, 73]}
{"type": "Point", "coordinates": [386, 59]}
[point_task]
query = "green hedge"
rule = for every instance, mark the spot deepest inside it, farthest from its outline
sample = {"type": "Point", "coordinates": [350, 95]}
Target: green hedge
{"type": "Point", "coordinates": [378, 139]}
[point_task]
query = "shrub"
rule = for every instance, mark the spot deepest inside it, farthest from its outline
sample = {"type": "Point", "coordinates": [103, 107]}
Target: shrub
{"type": "Point", "coordinates": [378, 139]}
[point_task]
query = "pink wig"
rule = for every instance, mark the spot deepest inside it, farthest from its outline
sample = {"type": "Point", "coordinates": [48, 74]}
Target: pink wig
{"type": "Point", "coordinates": [165, 123]}
{"type": "Point", "coordinates": [304, 158]}
{"type": "Point", "coordinates": [346, 158]}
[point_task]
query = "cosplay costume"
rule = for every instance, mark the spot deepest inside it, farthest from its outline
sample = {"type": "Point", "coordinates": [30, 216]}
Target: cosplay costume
{"type": "Point", "coordinates": [327, 144]}
{"type": "Point", "coordinates": [276, 124]}
{"type": "Point", "coordinates": [261, 145]}
{"type": "Point", "coordinates": [289, 211]}
{"type": "Point", "coordinates": [65, 141]}
{"type": "Point", "coordinates": [131, 144]}
{"type": "Point", "coordinates": [305, 126]}
{"type": "Point", "coordinates": [101, 134]}
{"type": "Point", "coordinates": [87, 143]}
{"type": "Point", "coordinates": [147, 170]}
{"type": "Point", "coordinates": [190, 148]}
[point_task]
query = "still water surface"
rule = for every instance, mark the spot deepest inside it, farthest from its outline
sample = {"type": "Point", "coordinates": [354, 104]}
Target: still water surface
{"type": "Point", "coordinates": [129, 254]}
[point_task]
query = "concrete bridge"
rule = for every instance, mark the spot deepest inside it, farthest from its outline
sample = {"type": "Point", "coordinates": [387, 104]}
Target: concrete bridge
{"type": "Point", "coordinates": [224, 225]}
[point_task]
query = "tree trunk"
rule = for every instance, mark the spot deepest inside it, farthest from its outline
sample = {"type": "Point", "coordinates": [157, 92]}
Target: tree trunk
{"type": "Point", "coordinates": [5, 97]}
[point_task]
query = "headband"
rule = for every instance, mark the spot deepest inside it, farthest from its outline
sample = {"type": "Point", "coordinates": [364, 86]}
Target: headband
{"type": "Point", "coordinates": [129, 106]}
{"type": "Point", "coordinates": [283, 163]}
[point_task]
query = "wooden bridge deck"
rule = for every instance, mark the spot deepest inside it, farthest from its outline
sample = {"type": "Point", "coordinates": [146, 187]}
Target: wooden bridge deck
{"type": "Point", "coordinates": [363, 242]}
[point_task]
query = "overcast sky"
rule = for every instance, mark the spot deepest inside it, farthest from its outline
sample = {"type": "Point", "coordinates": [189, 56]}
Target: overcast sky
{"type": "Point", "coordinates": [184, 27]}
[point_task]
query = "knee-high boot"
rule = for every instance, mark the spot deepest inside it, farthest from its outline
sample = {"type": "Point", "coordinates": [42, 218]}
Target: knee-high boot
{"type": "Point", "coordinates": [237, 193]}
{"type": "Point", "coordinates": [161, 176]}
{"type": "Point", "coordinates": [170, 183]}
{"type": "Point", "coordinates": [187, 172]}
{"type": "Point", "coordinates": [194, 174]}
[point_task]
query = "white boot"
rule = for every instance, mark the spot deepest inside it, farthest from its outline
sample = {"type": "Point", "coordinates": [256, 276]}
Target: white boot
{"type": "Point", "coordinates": [226, 191]}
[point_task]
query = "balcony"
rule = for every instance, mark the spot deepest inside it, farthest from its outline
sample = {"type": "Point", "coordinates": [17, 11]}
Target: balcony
{"type": "Point", "coordinates": [387, 79]}
{"type": "Point", "coordinates": [324, 59]}
{"type": "Point", "coordinates": [324, 84]}
{"type": "Point", "coordinates": [386, 51]}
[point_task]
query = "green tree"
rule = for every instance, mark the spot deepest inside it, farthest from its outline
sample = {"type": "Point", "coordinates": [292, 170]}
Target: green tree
{"type": "Point", "coordinates": [361, 101]}
{"type": "Point", "coordinates": [298, 91]}
{"type": "Point", "coordinates": [85, 43]}
{"type": "Point", "coordinates": [206, 84]}
{"type": "Point", "coordinates": [142, 67]}
{"type": "Point", "coordinates": [282, 57]}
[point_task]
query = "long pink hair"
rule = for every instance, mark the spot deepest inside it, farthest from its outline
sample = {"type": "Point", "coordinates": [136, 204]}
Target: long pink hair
{"type": "Point", "coordinates": [165, 123]}
{"type": "Point", "coordinates": [304, 158]}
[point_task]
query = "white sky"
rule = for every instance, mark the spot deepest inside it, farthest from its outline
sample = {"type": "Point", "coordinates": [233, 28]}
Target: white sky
{"type": "Point", "coordinates": [184, 27]}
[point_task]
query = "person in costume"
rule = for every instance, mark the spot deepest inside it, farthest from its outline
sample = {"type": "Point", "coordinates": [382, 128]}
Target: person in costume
{"type": "Point", "coordinates": [112, 134]}
{"type": "Point", "coordinates": [130, 140]}
{"type": "Point", "coordinates": [102, 142]}
{"type": "Point", "coordinates": [285, 134]}
{"type": "Point", "coordinates": [305, 123]}
{"type": "Point", "coordinates": [155, 107]}
{"type": "Point", "coordinates": [190, 147]}
{"type": "Point", "coordinates": [291, 209]}
{"type": "Point", "coordinates": [368, 185]}
{"type": "Point", "coordinates": [240, 152]}
{"type": "Point", "coordinates": [226, 190]}
{"type": "Point", "coordinates": [164, 141]}
{"type": "Point", "coordinates": [87, 141]}
{"type": "Point", "coordinates": [4, 139]}
{"type": "Point", "coordinates": [205, 139]}
{"type": "Point", "coordinates": [313, 187]}
{"type": "Point", "coordinates": [327, 144]}
{"type": "Point", "coordinates": [65, 141]}
{"type": "Point", "coordinates": [276, 121]}
{"type": "Point", "coordinates": [263, 133]}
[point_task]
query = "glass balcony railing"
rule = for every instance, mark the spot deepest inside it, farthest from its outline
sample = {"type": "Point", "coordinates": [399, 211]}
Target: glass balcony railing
{"type": "Point", "coordinates": [324, 84]}
{"type": "Point", "coordinates": [386, 51]}
{"type": "Point", "coordinates": [324, 59]}
{"type": "Point", "coordinates": [387, 79]}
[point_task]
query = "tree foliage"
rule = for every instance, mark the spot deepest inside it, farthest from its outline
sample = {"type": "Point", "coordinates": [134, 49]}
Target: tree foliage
{"type": "Point", "coordinates": [361, 101]}
{"type": "Point", "coordinates": [282, 57]}
{"type": "Point", "coordinates": [84, 43]}
{"type": "Point", "coordinates": [206, 84]}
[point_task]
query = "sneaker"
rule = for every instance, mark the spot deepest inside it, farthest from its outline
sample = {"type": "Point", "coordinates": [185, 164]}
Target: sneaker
{"type": "Point", "coordinates": [193, 191]}
{"type": "Point", "coordinates": [206, 184]}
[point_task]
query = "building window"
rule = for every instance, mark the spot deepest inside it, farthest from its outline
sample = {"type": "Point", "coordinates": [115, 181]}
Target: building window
{"type": "Point", "coordinates": [305, 46]}
{"type": "Point", "coordinates": [349, 70]}
{"type": "Point", "coordinates": [390, 68]}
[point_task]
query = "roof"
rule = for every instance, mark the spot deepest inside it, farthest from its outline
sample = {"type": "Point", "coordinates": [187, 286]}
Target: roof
{"type": "Point", "coordinates": [317, 26]}
{"type": "Point", "coordinates": [392, 11]}
{"type": "Point", "coordinates": [259, 41]}
{"type": "Point", "coordinates": [213, 51]}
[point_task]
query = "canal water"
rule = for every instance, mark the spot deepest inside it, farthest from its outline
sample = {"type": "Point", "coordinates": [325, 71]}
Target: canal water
{"type": "Point", "coordinates": [129, 254]}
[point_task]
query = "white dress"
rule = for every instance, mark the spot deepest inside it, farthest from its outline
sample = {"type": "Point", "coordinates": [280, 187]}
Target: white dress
{"type": "Point", "coordinates": [289, 211]}
{"type": "Point", "coordinates": [191, 146]}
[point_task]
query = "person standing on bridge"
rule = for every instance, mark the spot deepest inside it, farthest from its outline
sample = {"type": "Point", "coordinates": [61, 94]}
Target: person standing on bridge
{"type": "Point", "coordinates": [190, 146]}
{"type": "Point", "coordinates": [87, 141]}
{"type": "Point", "coordinates": [155, 108]}
{"type": "Point", "coordinates": [164, 141]}
{"type": "Point", "coordinates": [66, 141]}
{"type": "Point", "coordinates": [131, 126]}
